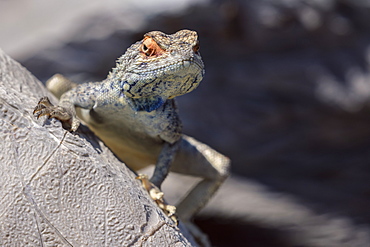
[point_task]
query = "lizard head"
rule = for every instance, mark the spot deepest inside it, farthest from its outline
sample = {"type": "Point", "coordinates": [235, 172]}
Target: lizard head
{"type": "Point", "coordinates": [160, 65]}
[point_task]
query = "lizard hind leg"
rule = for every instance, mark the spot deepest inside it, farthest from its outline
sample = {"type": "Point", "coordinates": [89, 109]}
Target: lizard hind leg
{"type": "Point", "coordinates": [59, 84]}
{"type": "Point", "coordinates": [197, 159]}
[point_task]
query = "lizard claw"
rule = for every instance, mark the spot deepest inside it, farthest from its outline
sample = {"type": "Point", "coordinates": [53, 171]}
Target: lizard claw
{"type": "Point", "coordinates": [170, 210]}
{"type": "Point", "coordinates": [45, 108]}
{"type": "Point", "coordinates": [157, 196]}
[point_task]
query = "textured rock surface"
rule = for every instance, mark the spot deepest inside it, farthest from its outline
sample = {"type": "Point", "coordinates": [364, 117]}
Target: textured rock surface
{"type": "Point", "coordinates": [63, 189]}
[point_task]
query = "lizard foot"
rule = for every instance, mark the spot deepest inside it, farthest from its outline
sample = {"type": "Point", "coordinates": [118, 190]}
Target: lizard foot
{"type": "Point", "coordinates": [157, 196]}
{"type": "Point", "coordinates": [46, 108]}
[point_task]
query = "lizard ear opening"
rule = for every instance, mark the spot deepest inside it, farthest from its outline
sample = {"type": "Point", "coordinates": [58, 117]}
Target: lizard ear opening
{"type": "Point", "coordinates": [150, 48]}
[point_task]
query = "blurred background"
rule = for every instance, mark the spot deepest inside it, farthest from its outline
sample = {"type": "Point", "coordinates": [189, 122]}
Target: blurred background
{"type": "Point", "coordinates": [285, 96]}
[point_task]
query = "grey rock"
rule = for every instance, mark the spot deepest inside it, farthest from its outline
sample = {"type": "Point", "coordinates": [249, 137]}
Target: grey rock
{"type": "Point", "coordinates": [63, 189]}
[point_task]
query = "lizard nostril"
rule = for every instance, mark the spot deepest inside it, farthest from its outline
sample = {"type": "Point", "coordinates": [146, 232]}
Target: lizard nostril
{"type": "Point", "coordinates": [196, 47]}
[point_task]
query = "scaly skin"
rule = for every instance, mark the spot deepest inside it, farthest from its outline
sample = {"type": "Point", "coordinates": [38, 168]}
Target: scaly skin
{"type": "Point", "coordinates": [134, 113]}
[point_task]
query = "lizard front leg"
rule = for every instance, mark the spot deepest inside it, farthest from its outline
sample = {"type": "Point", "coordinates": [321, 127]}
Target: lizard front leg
{"type": "Point", "coordinates": [82, 96]}
{"type": "Point", "coordinates": [161, 171]}
{"type": "Point", "coordinates": [157, 195]}
{"type": "Point", "coordinates": [45, 108]}
{"type": "Point", "coordinates": [164, 162]}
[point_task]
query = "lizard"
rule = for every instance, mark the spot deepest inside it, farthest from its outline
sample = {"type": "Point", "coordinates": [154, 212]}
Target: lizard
{"type": "Point", "coordinates": [133, 111]}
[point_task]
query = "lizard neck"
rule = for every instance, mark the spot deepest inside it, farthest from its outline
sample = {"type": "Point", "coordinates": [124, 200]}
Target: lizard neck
{"type": "Point", "coordinates": [147, 104]}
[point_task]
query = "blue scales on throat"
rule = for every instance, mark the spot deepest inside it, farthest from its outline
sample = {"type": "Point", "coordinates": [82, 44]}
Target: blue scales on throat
{"type": "Point", "coordinates": [146, 104]}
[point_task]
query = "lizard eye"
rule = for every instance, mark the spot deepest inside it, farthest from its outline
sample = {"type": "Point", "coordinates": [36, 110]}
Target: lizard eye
{"type": "Point", "coordinates": [145, 48]}
{"type": "Point", "coordinates": [150, 48]}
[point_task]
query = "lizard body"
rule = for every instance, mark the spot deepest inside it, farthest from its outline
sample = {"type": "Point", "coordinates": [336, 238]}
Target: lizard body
{"type": "Point", "coordinates": [135, 115]}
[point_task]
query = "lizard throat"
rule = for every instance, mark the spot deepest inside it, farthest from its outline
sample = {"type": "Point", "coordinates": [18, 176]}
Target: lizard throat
{"type": "Point", "coordinates": [165, 82]}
